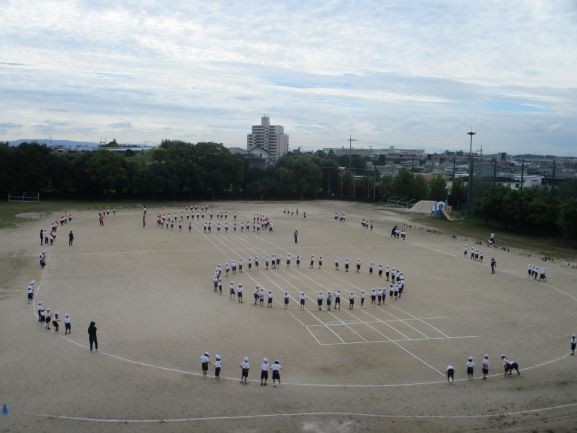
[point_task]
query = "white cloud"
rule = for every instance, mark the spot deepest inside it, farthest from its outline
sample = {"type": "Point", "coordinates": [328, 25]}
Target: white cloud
{"type": "Point", "coordinates": [407, 73]}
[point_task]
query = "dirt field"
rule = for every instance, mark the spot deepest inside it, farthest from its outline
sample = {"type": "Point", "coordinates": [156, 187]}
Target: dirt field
{"type": "Point", "coordinates": [377, 368]}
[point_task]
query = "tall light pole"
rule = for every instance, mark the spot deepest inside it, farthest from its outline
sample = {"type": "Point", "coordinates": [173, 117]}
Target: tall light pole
{"type": "Point", "coordinates": [470, 183]}
{"type": "Point", "coordinates": [351, 139]}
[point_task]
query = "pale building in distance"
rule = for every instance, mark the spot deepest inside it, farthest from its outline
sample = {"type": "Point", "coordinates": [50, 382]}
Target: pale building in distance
{"type": "Point", "coordinates": [270, 138]}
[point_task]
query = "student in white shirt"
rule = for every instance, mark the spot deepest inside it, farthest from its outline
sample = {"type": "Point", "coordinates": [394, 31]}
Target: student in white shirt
{"type": "Point", "coordinates": [470, 364]}
{"type": "Point", "coordinates": [363, 296]}
{"type": "Point", "coordinates": [204, 361]}
{"type": "Point", "coordinates": [450, 374]}
{"type": "Point", "coordinates": [329, 300]}
{"type": "Point", "coordinates": [269, 299]}
{"type": "Point", "coordinates": [338, 299]}
{"type": "Point", "coordinates": [276, 368]}
{"type": "Point", "coordinates": [485, 366]}
{"type": "Point", "coordinates": [320, 300]}
{"type": "Point", "coordinates": [337, 264]}
{"type": "Point", "coordinates": [67, 324]}
{"type": "Point", "coordinates": [351, 300]}
{"type": "Point", "coordinates": [286, 299]}
{"type": "Point", "coordinates": [217, 367]}
{"type": "Point", "coordinates": [245, 367]}
{"type": "Point", "coordinates": [264, 367]}
{"type": "Point", "coordinates": [302, 299]}
{"type": "Point", "coordinates": [572, 344]}
{"type": "Point", "coordinates": [239, 291]}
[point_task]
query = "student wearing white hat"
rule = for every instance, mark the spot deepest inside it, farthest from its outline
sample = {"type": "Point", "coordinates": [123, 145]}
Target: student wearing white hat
{"type": "Point", "coordinates": [485, 366]}
{"type": "Point", "coordinates": [302, 299]}
{"type": "Point", "coordinates": [470, 364]}
{"type": "Point", "coordinates": [338, 299]}
{"type": "Point", "coordinates": [239, 291]}
{"type": "Point", "coordinates": [269, 298]}
{"type": "Point", "coordinates": [245, 367]}
{"type": "Point", "coordinates": [67, 324]}
{"type": "Point", "coordinates": [276, 368]}
{"type": "Point", "coordinates": [204, 361]}
{"type": "Point", "coordinates": [217, 367]}
{"type": "Point", "coordinates": [450, 374]}
{"type": "Point", "coordinates": [329, 300]}
{"type": "Point", "coordinates": [264, 367]}
{"type": "Point", "coordinates": [351, 300]}
{"type": "Point", "coordinates": [286, 297]}
{"type": "Point", "coordinates": [320, 300]}
{"type": "Point", "coordinates": [30, 291]}
{"type": "Point", "coordinates": [573, 343]}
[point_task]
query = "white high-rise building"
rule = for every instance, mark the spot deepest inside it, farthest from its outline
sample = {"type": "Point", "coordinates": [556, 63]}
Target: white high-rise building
{"type": "Point", "coordinates": [270, 138]}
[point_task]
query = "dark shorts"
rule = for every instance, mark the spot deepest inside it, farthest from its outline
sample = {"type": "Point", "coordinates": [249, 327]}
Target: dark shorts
{"type": "Point", "coordinates": [276, 375]}
{"type": "Point", "coordinates": [204, 366]}
{"type": "Point", "coordinates": [470, 370]}
{"type": "Point", "coordinates": [573, 345]}
{"type": "Point", "coordinates": [217, 371]}
{"type": "Point", "coordinates": [319, 302]}
{"type": "Point", "coordinates": [450, 373]}
{"type": "Point", "coordinates": [67, 326]}
{"type": "Point", "coordinates": [30, 295]}
{"type": "Point", "coordinates": [485, 371]}
{"type": "Point", "coordinates": [351, 301]}
{"type": "Point", "coordinates": [264, 374]}
{"type": "Point", "coordinates": [302, 301]}
{"type": "Point", "coordinates": [245, 372]}
{"type": "Point", "coordinates": [286, 301]}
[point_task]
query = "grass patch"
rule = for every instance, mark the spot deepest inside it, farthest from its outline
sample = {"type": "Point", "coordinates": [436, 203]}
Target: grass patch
{"type": "Point", "coordinates": [548, 245]}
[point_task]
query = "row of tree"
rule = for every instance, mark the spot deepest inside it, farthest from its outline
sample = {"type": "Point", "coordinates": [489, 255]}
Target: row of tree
{"type": "Point", "coordinates": [178, 171]}
{"type": "Point", "coordinates": [531, 209]}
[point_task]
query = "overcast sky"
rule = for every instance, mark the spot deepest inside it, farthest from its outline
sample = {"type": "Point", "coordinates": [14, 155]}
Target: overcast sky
{"type": "Point", "coordinates": [403, 73]}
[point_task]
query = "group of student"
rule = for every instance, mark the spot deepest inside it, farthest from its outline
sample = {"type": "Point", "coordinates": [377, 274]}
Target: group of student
{"type": "Point", "coordinates": [105, 212]}
{"type": "Point", "coordinates": [210, 223]}
{"type": "Point", "coordinates": [535, 272]}
{"type": "Point", "coordinates": [508, 367]}
{"type": "Point", "coordinates": [475, 253]}
{"type": "Point", "coordinates": [377, 296]}
{"type": "Point", "coordinates": [291, 211]}
{"type": "Point", "coordinates": [399, 233]}
{"type": "Point", "coordinates": [46, 317]}
{"type": "Point", "coordinates": [367, 224]}
{"type": "Point", "coordinates": [340, 216]}
{"type": "Point", "coordinates": [265, 367]}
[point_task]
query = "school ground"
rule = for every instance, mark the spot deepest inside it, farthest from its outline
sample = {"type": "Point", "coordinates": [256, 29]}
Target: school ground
{"type": "Point", "coordinates": [379, 368]}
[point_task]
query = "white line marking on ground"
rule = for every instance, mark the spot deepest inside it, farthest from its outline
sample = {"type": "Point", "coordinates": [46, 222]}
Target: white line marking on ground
{"type": "Point", "coordinates": [300, 414]}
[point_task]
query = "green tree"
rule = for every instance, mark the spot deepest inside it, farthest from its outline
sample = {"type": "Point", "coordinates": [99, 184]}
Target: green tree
{"type": "Point", "coordinates": [458, 194]}
{"type": "Point", "coordinates": [438, 188]}
{"type": "Point", "coordinates": [420, 190]}
{"type": "Point", "coordinates": [567, 218]}
{"type": "Point", "coordinates": [403, 183]}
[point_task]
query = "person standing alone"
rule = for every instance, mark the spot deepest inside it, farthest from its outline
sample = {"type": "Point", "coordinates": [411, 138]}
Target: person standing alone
{"type": "Point", "coordinates": [92, 338]}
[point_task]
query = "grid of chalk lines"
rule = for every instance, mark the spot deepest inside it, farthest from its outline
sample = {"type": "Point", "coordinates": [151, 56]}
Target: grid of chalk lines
{"type": "Point", "coordinates": [387, 323]}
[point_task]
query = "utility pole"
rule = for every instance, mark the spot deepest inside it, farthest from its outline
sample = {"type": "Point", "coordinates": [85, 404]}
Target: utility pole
{"type": "Point", "coordinates": [494, 171]}
{"type": "Point", "coordinates": [470, 183]}
{"type": "Point", "coordinates": [351, 139]}
{"type": "Point", "coordinates": [554, 173]}
{"type": "Point", "coordinates": [454, 165]}
{"type": "Point", "coordinates": [522, 172]}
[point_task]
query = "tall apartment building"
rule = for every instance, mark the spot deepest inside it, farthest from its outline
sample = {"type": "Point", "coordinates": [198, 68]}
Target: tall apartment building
{"type": "Point", "coordinates": [270, 138]}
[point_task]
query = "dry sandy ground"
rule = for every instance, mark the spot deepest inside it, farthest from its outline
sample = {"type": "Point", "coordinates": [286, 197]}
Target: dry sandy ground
{"type": "Point", "coordinates": [379, 368]}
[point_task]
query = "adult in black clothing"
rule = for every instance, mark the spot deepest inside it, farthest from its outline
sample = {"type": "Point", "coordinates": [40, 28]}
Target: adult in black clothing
{"type": "Point", "coordinates": [70, 238]}
{"type": "Point", "coordinates": [92, 339]}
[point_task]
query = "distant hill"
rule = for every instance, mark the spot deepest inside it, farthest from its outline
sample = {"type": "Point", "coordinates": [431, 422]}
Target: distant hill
{"type": "Point", "coordinates": [56, 143]}
{"type": "Point", "coordinates": [68, 144]}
